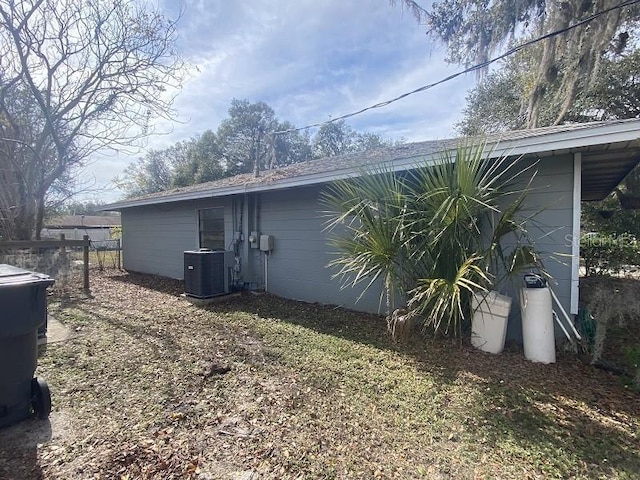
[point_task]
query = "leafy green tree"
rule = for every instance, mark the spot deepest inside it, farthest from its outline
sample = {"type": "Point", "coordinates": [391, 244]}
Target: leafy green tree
{"type": "Point", "coordinates": [334, 139]}
{"type": "Point", "coordinates": [564, 64]}
{"type": "Point", "coordinates": [338, 138]}
{"type": "Point", "coordinates": [616, 90]}
{"type": "Point", "coordinates": [496, 105]}
{"type": "Point", "coordinates": [492, 106]}
{"type": "Point", "coordinates": [608, 218]}
{"type": "Point", "coordinates": [290, 147]}
{"type": "Point", "coordinates": [151, 173]}
{"type": "Point", "coordinates": [242, 138]}
{"type": "Point", "coordinates": [371, 141]}
{"type": "Point", "coordinates": [201, 162]}
{"type": "Point", "coordinates": [247, 142]}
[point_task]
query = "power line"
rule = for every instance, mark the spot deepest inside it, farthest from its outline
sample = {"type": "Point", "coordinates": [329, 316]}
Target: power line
{"type": "Point", "coordinates": [473, 68]}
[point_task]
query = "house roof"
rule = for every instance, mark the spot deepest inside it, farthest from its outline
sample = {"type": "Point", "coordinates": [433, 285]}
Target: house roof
{"type": "Point", "coordinates": [84, 221]}
{"type": "Point", "coordinates": [609, 151]}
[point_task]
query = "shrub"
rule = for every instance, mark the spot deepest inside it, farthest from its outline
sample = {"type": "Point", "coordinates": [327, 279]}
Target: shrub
{"type": "Point", "coordinates": [608, 254]}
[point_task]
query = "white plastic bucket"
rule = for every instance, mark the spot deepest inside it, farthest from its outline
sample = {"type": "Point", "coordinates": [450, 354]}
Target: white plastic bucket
{"type": "Point", "coordinates": [538, 336]}
{"type": "Point", "coordinates": [489, 321]}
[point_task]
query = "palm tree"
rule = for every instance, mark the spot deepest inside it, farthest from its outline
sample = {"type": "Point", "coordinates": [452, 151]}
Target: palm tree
{"type": "Point", "coordinates": [366, 221]}
{"type": "Point", "coordinates": [458, 231]}
{"type": "Point", "coordinates": [434, 235]}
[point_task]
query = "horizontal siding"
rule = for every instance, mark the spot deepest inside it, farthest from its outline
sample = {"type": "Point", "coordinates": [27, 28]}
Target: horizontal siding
{"type": "Point", "coordinates": [154, 238]}
{"type": "Point", "coordinates": [550, 230]}
{"type": "Point", "coordinates": [297, 267]}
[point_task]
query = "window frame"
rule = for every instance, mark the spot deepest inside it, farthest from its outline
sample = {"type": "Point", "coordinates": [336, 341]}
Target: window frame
{"type": "Point", "coordinates": [212, 238]}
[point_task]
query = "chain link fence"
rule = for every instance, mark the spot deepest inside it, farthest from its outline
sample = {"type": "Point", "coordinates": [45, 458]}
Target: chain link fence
{"type": "Point", "coordinates": [107, 253]}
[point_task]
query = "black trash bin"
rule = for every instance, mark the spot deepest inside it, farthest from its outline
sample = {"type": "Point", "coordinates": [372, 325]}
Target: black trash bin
{"type": "Point", "coordinates": [23, 309]}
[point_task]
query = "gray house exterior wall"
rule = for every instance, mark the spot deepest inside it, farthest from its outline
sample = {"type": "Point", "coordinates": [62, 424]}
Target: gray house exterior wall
{"type": "Point", "coordinates": [551, 203]}
{"type": "Point", "coordinates": [297, 267]}
{"type": "Point", "coordinates": [155, 237]}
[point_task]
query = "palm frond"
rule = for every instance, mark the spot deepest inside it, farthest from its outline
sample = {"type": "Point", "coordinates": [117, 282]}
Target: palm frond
{"type": "Point", "coordinates": [430, 233]}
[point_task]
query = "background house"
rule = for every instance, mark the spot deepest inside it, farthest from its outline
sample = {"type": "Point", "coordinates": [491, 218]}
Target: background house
{"type": "Point", "coordinates": [75, 227]}
{"type": "Point", "coordinates": [575, 162]}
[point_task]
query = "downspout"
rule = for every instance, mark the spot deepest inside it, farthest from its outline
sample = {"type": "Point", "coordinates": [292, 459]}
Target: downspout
{"type": "Point", "coordinates": [257, 204]}
{"type": "Point", "coordinates": [246, 259]}
{"type": "Point", "coordinates": [266, 271]}
{"type": "Point", "coordinates": [256, 212]}
{"type": "Point", "coordinates": [236, 243]}
{"type": "Point", "coordinates": [575, 233]}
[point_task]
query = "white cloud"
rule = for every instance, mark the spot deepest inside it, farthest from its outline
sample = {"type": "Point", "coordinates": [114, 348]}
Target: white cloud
{"type": "Point", "coordinates": [310, 60]}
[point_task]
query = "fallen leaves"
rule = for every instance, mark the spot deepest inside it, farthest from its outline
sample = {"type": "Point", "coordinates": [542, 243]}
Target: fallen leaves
{"type": "Point", "coordinates": [157, 388]}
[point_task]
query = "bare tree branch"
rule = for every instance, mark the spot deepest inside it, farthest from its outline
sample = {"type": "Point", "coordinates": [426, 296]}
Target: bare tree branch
{"type": "Point", "coordinates": [94, 74]}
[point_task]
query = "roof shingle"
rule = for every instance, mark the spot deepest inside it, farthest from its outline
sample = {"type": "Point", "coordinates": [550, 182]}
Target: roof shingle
{"type": "Point", "coordinates": [347, 163]}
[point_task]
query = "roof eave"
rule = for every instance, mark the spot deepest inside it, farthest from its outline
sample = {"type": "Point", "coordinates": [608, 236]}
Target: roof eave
{"type": "Point", "coordinates": [569, 140]}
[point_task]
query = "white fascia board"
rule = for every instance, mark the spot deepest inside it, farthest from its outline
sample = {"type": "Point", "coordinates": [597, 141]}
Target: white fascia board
{"type": "Point", "coordinates": [571, 140]}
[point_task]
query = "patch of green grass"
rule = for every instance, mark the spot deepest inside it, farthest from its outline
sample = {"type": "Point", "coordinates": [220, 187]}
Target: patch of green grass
{"type": "Point", "coordinates": [489, 427]}
{"type": "Point", "coordinates": [317, 392]}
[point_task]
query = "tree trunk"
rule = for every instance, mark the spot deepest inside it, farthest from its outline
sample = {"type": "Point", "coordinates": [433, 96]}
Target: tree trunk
{"type": "Point", "coordinates": [39, 220]}
{"type": "Point", "coordinates": [24, 208]}
{"type": "Point", "coordinates": [540, 86]}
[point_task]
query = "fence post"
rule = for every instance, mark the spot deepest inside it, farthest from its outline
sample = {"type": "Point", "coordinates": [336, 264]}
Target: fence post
{"type": "Point", "coordinates": [63, 251]}
{"type": "Point", "coordinates": [85, 255]}
{"type": "Point", "coordinates": [119, 247]}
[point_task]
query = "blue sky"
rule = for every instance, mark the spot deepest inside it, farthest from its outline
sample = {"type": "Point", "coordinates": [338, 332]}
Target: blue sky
{"type": "Point", "coordinates": [310, 60]}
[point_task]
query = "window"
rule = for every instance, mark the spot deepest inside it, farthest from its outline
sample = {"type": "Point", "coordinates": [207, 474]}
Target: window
{"type": "Point", "coordinates": [212, 228]}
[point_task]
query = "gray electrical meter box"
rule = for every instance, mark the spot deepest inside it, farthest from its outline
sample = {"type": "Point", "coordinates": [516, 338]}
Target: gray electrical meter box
{"type": "Point", "coordinates": [266, 243]}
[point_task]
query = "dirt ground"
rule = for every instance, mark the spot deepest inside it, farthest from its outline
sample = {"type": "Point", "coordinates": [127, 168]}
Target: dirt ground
{"type": "Point", "coordinates": [253, 386]}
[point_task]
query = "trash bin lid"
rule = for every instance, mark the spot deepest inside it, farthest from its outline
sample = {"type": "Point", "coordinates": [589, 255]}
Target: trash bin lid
{"type": "Point", "coordinates": [10, 275]}
{"type": "Point", "coordinates": [533, 280]}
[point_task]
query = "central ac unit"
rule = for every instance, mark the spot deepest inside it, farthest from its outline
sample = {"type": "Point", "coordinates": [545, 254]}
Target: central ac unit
{"type": "Point", "coordinates": [205, 273]}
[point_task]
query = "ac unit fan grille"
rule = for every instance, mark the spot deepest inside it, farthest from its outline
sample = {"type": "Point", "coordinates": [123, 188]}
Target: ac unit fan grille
{"type": "Point", "coordinates": [204, 273]}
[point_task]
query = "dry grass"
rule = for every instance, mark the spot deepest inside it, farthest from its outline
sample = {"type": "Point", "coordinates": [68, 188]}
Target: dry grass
{"type": "Point", "coordinates": [158, 388]}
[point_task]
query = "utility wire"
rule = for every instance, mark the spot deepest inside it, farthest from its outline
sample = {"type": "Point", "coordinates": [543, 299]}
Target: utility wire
{"type": "Point", "coordinates": [473, 68]}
